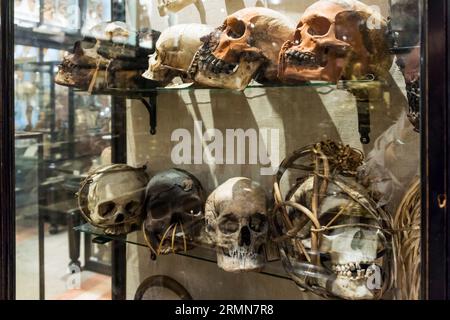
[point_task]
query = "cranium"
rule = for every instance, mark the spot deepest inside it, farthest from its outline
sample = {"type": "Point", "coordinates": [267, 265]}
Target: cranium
{"type": "Point", "coordinates": [236, 221]}
{"type": "Point", "coordinates": [246, 46]}
{"type": "Point", "coordinates": [336, 243]}
{"type": "Point", "coordinates": [174, 205]}
{"type": "Point", "coordinates": [336, 40]}
{"type": "Point", "coordinates": [83, 68]}
{"type": "Point", "coordinates": [116, 197]}
{"type": "Point", "coordinates": [352, 254]}
{"type": "Point", "coordinates": [165, 6]}
{"type": "Point", "coordinates": [104, 62]}
{"type": "Point", "coordinates": [175, 50]}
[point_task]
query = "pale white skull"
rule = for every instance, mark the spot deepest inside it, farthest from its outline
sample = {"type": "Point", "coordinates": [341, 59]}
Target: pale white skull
{"type": "Point", "coordinates": [116, 31]}
{"type": "Point", "coordinates": [245, 47]}
{"type": "Point", "coordinates": [351, 254]}
{"type": "Point", "coordinates": [236, 221]}
{"type": "Point", "coordinates": [116, 196]}
{"type": "Point", "coordinates": [175, 50]}
{"type": "Point", "coordinates": [165, 6]}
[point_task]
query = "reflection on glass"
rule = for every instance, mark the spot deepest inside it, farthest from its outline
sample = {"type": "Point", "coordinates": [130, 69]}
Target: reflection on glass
{"type": "Point", "coordinates": [97, 11]}
{"type": "Point", "coordinates": [26, 12]}
{"type": "Point", "coordinates": [64, 14]}
{"type": "Point", "coordinates": [358, 89]}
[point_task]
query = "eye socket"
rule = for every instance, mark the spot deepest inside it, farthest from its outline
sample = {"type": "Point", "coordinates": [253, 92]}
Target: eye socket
{"type": "Point", "coordinates": [158, 209]}
{"type": "Point", "coordinates": [348, 25]}
{"type": "Point", "coordinates": [192, 206]}
{"type": "Point", "coordinates": [88, 44]}
{"type": "Point", "coordinates": [131, 206]}
{"type": "Point", "coordinates": [236, 28]}
{"type": "Point", "coordinates": [257, 222]}
{"type": "Point", "coordinates": [298, 36]}
{"type": "Point", "coordinates": [105, 208]}
{"type": "Point", "coordinates": [229, 224]}
{"type": "Point", "coordinates": [319, 26]}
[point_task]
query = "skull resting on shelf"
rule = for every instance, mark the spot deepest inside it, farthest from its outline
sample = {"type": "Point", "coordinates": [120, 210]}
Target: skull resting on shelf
{"type": "Point", "coordinates": [337, 40]}
{"type": "Point", "coordinates": [165, 6]}
{"type": "Point", "coordinates": [115, 198]}
{"type": "Point", "coordinates": [342, 248]}
{"type": "Point", "coordinates": [83, 68]}
{"type": "Point", "coordinates": [104, 60]}
{"type": "Point", "coordinates": [175, 50]}
{"type": "Point", "coordinates": [236, 222]}
{"type": "Point", "coordinates": [245, 47]}
{"type": "Point", "coordinates": [174, 204]}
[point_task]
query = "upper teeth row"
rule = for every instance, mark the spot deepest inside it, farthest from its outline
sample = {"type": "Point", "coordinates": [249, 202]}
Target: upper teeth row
{"type": "Point", "coordinates": [360, 274]}
{"type": "Point", "coordinates": [216, 65]}
{"type": "Point", "coordinates": [304, 57]}
{"type": "Point", "coordinates": [352, 266]}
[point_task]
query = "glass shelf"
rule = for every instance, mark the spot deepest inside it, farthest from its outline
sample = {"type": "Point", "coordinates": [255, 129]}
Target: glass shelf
{"type": "Point", "coordinates": [273, 269]}
{"type": "Point", "coordinates": [132, 93]}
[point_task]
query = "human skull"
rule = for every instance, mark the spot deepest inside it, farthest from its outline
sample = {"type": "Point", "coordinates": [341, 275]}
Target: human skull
{"type": "Point", "coordinates": [116, 197]}
{"type": "Point", "coordinates": [104, 60]}
{"type": "Point", "coordinates": [165, 6]}
{"type": "Point", "coordinates": [236, 221]}
{"type": "Point", "coordinates": [175, 50]}
{"type": "Point", "coordinates": [83, 68]}
{"type": "Point", "coordinates": [246, 46]}
{"type": "Point", "coordinates": [174, 204]}
{"type": "Point", "coordinates": [336, 40]}
{"type": "Point", "coordinates": [353, 251]}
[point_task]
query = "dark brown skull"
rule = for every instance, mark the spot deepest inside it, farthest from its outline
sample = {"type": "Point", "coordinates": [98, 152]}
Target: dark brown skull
{"type": "Point", "coordinates": [106, 61]}
{"type": "Point", "coordinates": [336, 40]}
{"type": "Point", "coordinates": [174, 205]}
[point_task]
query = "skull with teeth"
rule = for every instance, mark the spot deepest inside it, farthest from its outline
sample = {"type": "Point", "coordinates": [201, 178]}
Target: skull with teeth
{"type": "Point", "coordinates": [175, 50]}
{"type": "Point", "coordinates": [104, 60]}
{"type": "Point", "coordinates": [246, 46]}
{"type": "Point", "coordinates": [337, 245]}
{"type": "Point", "coordinates": [174, 205]}
{"type": "Point", "coordinates": [85, 65]}
{"type": "Point", "coordinates": [353, 252]}
{"type": "Point", "coordinates": [236, 221]}
{"type": "Point", "coordinates": [336, 40]}
{"type": "Point", "coordinates": [115, 198]}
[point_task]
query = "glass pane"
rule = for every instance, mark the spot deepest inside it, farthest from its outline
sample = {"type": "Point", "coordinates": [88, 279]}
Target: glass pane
{"type": "Point", "coordinates": [54, 152]}
{"type": "Point", "coordinates": [276, 140]}
{"type": "Point", "coordinates": [62, 14]}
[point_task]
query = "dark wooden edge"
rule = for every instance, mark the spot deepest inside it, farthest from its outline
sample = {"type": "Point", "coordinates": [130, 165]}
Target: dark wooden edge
{"type": "Point", "coordinates": [7, 204]}
{"type": "Point", "coordinates": [119, 155]}
{"type": "Point", "coordinates": [435, 144]}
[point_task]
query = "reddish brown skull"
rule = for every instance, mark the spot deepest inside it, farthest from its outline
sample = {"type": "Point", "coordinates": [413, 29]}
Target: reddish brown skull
{"type": "Point", "coordinates": [336, 40]}
{"type": "Point", "coordinates": [246, 45]}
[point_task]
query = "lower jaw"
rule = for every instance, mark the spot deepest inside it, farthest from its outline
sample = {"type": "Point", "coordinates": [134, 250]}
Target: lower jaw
{"type": "Point", "coordinates": [352, 290]}
{"type": "Point", "coordinates": [79, 80]}
{"type": "Point", "coordinates": [294, 74]}
{"type": "Point", "coordinates": [236, 81]}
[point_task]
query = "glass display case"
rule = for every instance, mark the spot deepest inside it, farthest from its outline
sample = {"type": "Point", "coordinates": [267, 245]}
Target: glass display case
{"type": "Point", "coordinates": [260, 146]}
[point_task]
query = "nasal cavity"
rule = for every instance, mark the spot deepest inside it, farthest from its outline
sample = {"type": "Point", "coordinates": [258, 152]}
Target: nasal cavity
{"type": "Point", "coordinates": [245, 237]}
{"type": "Point", "coordinates": [358, 240]}
{"type": "Point", "coordinates": [120, 217]}
{"type": "Point", "coordinates": [176, 218]}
